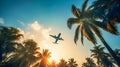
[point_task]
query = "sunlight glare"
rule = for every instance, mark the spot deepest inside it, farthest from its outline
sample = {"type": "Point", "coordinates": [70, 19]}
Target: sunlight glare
{"type": "Point", "coordinates": [53, 58]}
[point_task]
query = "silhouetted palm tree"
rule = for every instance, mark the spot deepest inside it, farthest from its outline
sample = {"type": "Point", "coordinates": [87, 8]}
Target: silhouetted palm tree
{"type": "Point", "coordinates": [110, 9]}
{"type": "Point", "coordinates": [101, 56]}
{"type": "Point", "coordinates": [62, 63]}
{"type": "Point", "coordinates": [26, 55]}
{"type": "Point", "coordinates": [89, 63]}
{"type": "Point", "coordinates": [8, 38]}
{"type": "Point", "coordinates": [87, 25]}
{"type": "Point", "coordinates": [98, 53]}
{"type": "Point", "coordinates": [72, 63]}
{"type": "Point", "coordinates": [44, 59]}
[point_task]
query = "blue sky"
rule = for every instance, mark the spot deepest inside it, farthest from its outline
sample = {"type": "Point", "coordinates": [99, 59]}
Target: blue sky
{"type": "Point", "coordinates": [30, 10]}
{"type": "Point", "coordinates": [53, 14]}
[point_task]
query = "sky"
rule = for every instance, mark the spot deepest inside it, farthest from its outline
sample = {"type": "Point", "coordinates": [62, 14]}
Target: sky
{"type": "Point", "coordinates": [39, 18]}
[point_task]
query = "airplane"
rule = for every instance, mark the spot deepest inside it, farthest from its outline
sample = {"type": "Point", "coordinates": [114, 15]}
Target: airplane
{"type": "Point", "coordinates": [57, 37]}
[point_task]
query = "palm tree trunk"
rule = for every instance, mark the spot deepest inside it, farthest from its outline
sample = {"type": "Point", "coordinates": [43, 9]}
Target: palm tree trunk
{"type": "Point", "coordinates": [116, 58]}
{"type": "Point", "coordinates": [1, 52]}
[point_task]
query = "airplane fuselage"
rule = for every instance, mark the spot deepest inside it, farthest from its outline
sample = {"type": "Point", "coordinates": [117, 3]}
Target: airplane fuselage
{"type": "Point", "coordinates": [57, 37]}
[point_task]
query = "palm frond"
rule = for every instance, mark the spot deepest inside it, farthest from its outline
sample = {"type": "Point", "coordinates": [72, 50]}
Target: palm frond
{"type": "Point", "coordinates": [112, 28]}
{"type": "Point", "coordinates": [102, 48]}
{"type": "Point", "coordinates": [72, 21]}
{"type": "Point", "coordinates": [90, 7]}
{"type": "Point", "coordinates": [84, 5]}
{"type": "Point", "coordinates": [81, 34]}
{"type": "Point", "coordinates": [76, 37]}
{"type": "Point", "coordinates": [99, 24]}
{"type": "Point", "coordinates": [76, 12]}
{"type": "Point", "coordinates": [93, 55]}
{"type": "Point", "coordinates": [98, 12]}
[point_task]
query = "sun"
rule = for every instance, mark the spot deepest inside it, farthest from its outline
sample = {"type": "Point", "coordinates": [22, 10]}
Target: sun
{"type": "Point", "coordinates": [53, 58]}
{"type": "Point", "coordinates": [50, 59]}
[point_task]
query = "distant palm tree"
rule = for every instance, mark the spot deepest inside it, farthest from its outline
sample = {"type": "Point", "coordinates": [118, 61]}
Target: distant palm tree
{"type": "Point", "coordinates": [62, 63]}
{"type": "Point", "coordinates": [87, 25]}
{"type": "Point", "coordinates": [89, 63]}
{"type": "Point", "coordinates": [26, 55]}
{"type": "Point", "coordinates": [100, 55]}
{"type": "Point", "coordinates": [44, 59]}
{"type": "Point", "coordinates": [8, 38]}
{"type": "Point", "coordinates": [72, 63]}
{"type": "Point", "coordinates": [32, 52]}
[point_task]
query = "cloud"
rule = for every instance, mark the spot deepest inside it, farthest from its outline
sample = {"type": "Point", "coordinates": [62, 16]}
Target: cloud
{"type": "Point", "coordinates": [1, 21]}
{"type": "Point", "coordinates": [35, 26]}
{"type": "Point", "coordinates": [38, 33]}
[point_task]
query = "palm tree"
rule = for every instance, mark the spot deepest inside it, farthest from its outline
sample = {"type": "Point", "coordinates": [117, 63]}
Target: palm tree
{"type": "Point", "coordinates": [26, 54]}
{"type": "Point", "coordinates": [44, 59]}
{"type": "Point", "coordinates": [100, 55]}
{"type": "Point", "coordinates": [62, 63]}
{"type": "Point", "coordinates": [8, 38]}
{"type": "Point", "coordinates": [72, 63]}
{"type": "Point", "coordinates": [110, 9]}
{"type": "Point", "coordinates": [87, 25]}
{"type": "Point", "coordinates": [97, 52]}
{"type": "Point", "coordinates": [32, 51]}
{"type": "Point", "coordinates": [89, 63]}
{"type": "Point", "coordinates": [109, 12]}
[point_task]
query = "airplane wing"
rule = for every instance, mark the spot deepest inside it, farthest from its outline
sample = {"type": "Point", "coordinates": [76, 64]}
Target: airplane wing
{"type": "Point", "coordinates": [61, 39]}
{"type": "Point", "coordinates": [53, 36]}
{"type": "Point", "coordinates": [56, 40]}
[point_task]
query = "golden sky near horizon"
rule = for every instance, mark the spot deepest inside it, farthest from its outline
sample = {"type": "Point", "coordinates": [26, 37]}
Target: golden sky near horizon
{"type": "Point", "coordinates": [64, 49]}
